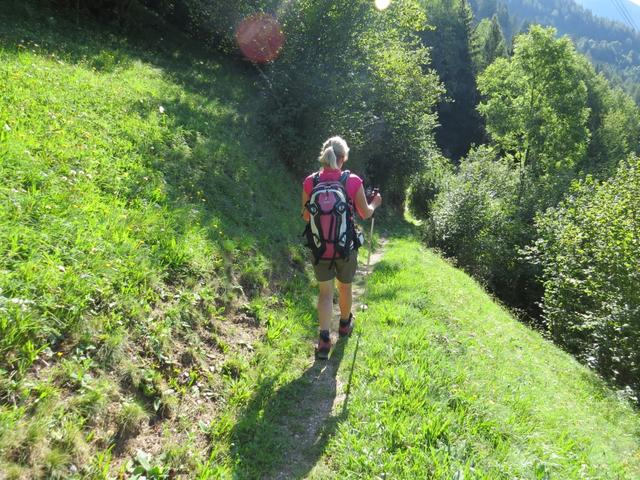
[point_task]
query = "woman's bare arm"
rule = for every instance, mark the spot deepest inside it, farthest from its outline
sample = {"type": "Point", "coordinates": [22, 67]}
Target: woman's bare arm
{"type": "Point", "coordinates": [364, 208]}
{"type": "Point", "coordinates": [305, 213]}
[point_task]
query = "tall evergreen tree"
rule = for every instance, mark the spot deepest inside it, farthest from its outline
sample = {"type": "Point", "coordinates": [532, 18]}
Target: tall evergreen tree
{"type": "Point", "coordinates": [490, 43]}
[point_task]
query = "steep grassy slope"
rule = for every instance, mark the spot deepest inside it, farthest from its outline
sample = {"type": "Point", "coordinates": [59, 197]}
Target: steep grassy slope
{"type": "Point", "coordinates": [143, 222]}
{"type": "Point", "coordinates": [440, 382]}
{"type": "Point", "coordinates": [610, 10]}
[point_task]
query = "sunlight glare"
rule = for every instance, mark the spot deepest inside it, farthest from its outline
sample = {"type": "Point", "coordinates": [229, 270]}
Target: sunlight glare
{"type": "Point", "coordinates": [260, 38]}
{"type": "Point", "coordinates": [382, 4]}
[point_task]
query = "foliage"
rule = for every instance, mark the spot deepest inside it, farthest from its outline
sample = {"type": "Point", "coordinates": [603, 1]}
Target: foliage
{"type": "Point", "coordinates": [145, 469]}
{"type": "Point", "coordinates": [349, 69]}
{"type": "Point", "coordinates": [479, 219]}
{"type": "Point", "coordinates": [532, 111]}
{"type": "Point", "coordinates": [612, 46]}
{"type": "Point", "coordinates": [535, 104]}
{"type": "Point", "coordinates": [614, 121]}
{"type": "Point", "coordinates": [211, 23]}
{"type": "Point", "coordinates": [551, 118]}
{"type": "Point", "coordinates": [452, 47]}
{"type": "Point", "coordinates": [427, 184]}
{"type": "Point", "coordinates": [589, 250]}
{"type": "Point", "coordinates": [490, 41]}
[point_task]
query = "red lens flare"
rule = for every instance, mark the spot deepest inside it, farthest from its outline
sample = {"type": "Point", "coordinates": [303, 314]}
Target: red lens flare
{"type": "Point", "coordinates": [260, 38]}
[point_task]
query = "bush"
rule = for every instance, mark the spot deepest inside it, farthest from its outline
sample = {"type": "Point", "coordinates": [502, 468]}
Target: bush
{"type": "Point", "coordinates": [425, 186]}
{"type": "Point", "coordinates": [589, 250]}
{"type": "Point", "coordinates": [351, 70]}
{"type": "Point", "coordinates": [480, 219]}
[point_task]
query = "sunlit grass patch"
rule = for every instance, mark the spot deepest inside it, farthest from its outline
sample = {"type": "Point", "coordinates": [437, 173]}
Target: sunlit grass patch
{"type": "Point", "coordinates": [136, 217]}
{"type": "Point", "coordinates": [448, 385]}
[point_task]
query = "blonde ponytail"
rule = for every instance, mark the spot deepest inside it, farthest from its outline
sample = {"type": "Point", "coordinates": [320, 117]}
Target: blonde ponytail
{"type": "Point", "coordinates": [328, 158]}
{"type": "Point", "coordinates": [333, 149]}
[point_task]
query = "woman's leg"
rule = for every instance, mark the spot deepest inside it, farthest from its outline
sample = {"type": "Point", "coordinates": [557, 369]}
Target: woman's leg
{"type": "Point", "coordinates": [345, 299]}
{"type": "Point", "coordinates": [325, 304]}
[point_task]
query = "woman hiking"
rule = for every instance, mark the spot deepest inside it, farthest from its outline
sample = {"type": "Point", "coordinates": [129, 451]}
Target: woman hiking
{"type": "Point", "coordinates": [329, 198]}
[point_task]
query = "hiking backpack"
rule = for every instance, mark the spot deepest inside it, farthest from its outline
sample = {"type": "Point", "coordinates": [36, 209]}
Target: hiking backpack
{"type": "Point", "coordinates": [331, 230]}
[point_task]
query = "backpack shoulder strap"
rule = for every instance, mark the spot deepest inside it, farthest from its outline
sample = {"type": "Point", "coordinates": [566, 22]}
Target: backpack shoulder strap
{"type": "Point", "coordinates": [344, 177]}
{"type": "Point", "coordinates": [316, 178]}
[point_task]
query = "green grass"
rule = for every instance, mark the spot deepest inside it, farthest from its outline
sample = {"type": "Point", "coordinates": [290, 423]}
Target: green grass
{"type": "Point", "coordinates": [140, 207]}
{"type": "Point", "coordinates": [131, 264]}
{"type": "Point", "coordinates": [438, 381]}
{"type": "Point", "coordinates": [106, 199]}
{"type": "Point", "coordinates": [447, 384]}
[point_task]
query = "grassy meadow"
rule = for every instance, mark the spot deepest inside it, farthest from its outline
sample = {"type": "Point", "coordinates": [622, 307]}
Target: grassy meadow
{"type": "Point", "coordinates": [438, 381]}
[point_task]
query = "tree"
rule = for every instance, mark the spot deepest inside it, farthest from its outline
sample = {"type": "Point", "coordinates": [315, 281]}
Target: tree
{"type": "Point", "coordinates": [450, 41]}
{"type": "Point", "coordinates": [490, 41]}
{"type": "Point", "coordinates": [535, 104]}
{"type": "Point", "coordinates": [352, 70]}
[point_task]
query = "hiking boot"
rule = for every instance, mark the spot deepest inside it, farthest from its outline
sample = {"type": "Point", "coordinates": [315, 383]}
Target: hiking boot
{"type": "Point", "coordinates": [324, 345]}
{"type": "Point", "coordinates": [346, 326]}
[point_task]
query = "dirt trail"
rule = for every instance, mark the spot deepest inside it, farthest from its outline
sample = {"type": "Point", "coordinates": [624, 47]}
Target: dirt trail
{"type": "Point", "coordinates": [321, 405]}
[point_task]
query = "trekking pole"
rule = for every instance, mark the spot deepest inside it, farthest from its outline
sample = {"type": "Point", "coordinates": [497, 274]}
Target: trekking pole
{"type": "Point", "coordinates": [370, 197]}
{"type": "Point", "coordinates": [373, 220]}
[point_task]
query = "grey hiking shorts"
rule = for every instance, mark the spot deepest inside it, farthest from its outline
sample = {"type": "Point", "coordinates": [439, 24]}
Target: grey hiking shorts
{"type": "Point", "coordinates": [343, 269]}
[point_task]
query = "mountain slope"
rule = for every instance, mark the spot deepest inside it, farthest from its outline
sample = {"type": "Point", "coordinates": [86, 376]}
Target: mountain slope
{"type": "Point", "coordinates": [610, 10]}
{"type": "Point", "coordinates": [613, 47]}
{"type": "Point", "coordinates": [144, 218]}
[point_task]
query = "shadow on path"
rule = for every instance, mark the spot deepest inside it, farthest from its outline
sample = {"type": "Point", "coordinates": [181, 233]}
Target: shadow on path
{"type": "Point", "coordinates": [283, 435]}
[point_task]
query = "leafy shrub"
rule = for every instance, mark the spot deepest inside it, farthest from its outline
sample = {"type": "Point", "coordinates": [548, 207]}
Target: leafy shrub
{"type": "Point", "coordinates": [351, 70]}
{"type": "Point", "coordinates": [480, 220]}
{"type": "Point", "coordinates": [589, 250]}
{"type": "Point", "coordinates": [426, 185]}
